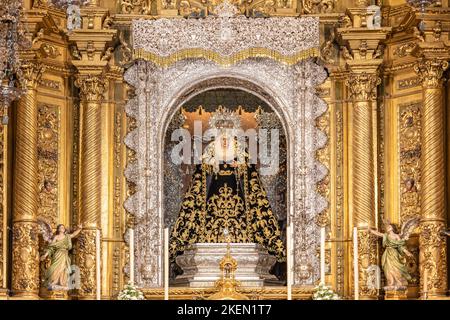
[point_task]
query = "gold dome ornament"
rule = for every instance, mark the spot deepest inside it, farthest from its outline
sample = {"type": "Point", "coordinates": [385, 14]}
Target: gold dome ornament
{"type": "Point", "coordinates": [227, 284]}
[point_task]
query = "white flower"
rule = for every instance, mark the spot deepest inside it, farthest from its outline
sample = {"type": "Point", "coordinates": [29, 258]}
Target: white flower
{"type": "Point", "coordinates": [130, 292]}
{"type": "Point", "coordinates": [323, 292]}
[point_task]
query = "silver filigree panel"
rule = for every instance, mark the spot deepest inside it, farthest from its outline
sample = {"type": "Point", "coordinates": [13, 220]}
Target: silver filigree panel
{"type": "Point", "coordinates": [159, 93]}
{"type": "Point", "coordinates": [226, 35]}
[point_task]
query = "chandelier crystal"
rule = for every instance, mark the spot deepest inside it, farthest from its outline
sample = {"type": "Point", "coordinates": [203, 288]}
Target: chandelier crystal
{"type": "Point", "coordinates": [12, 40]}
{"type": "Point", "coordinates": [422, 5]}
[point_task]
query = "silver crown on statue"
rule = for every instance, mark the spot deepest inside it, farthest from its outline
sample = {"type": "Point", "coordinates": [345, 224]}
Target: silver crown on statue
{"type": "Point", "coordinates": [224, 118]}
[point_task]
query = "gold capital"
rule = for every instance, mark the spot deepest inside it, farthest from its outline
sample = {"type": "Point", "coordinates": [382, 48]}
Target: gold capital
{"type": "Point", "coordinates": [92, 88]}
{"type": "Point", "coordinates": [431, 71]}
{"type": "Point", "coordinates": [32, 72]}
{"type": "Point", "coordinates": [363, 86]}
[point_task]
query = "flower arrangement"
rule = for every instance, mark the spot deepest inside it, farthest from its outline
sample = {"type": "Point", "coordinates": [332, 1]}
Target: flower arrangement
{"type": "Point", "coordinates": [323, 292]}
{"type": "Point", "coordinates": [130, 292]}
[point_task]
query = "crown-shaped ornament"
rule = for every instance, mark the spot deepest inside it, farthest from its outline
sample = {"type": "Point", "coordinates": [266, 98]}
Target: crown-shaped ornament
{"type": "Point", "coordinates": [223, 118]}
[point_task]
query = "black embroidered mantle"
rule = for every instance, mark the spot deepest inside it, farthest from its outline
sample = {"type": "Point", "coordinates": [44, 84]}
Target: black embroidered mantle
{"type": "Point", "coordinates": [233, 198]}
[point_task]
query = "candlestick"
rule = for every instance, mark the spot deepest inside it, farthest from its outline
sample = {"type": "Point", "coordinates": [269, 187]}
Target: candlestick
{"type": "Point", "coordinates": [322, 255]}
{"type": "Point", "coordinates": [355, 263]}
{"type": "Point", "coordinates": [131, 244]}
{"type": "Point", "coordinates": [166, 264]}
{"type": "Point", "coordinates": [98, 259]}
{"type": "Point", "coordinates": [289, 262]}
{"type": "Point", "coordinates": [425, 284]}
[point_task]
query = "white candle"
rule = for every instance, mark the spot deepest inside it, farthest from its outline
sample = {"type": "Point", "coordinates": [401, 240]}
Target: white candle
{"type": "Point", "coordinates": [322, 255]}
{"type": "Point", "coordinates": [97, 264]}
{"type": "Point", "coordinates": [355, 263]}
{"type": "Point", "coordinates": [166, 264]}
{"type": "Point", "coordinates": [425, 284]}
{"type": "Point", "coordinates": [131, 247]}
{"type": "Point", "coordinates": [289, 262]}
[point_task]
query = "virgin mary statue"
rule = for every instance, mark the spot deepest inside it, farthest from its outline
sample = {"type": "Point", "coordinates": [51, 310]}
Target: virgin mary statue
{"type": "Point", "coordinates": [226, 196]}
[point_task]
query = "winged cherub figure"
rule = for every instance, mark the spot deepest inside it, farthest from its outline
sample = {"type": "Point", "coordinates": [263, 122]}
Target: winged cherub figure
{"type": "Point", "coordinates": [57, 250]}
{"type": "Point", "coordinates": [393, 260]}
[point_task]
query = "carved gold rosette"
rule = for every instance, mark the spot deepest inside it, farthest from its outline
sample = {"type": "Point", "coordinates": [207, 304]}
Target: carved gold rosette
{"type": "Point", "coordinates": [433, 261]}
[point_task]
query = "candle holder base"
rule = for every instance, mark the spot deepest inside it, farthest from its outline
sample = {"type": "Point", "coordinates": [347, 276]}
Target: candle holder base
{"type": "Point", "coordinates": [200, 265]}
{"type": "Point", "coordinates": [4, 294]}
{"type": "Point", "coordinates": [396, 294]}
{"type": "Point", "coordinates": [46, 294]}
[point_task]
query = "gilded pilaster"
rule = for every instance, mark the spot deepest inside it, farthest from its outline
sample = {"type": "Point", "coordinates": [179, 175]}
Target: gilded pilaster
{"type": "Point", "coordinates": [25, 255]}
{"type": "Point", "coordinates": [433, 260]}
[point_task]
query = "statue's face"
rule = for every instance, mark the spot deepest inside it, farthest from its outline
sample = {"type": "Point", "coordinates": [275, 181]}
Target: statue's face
{"type": "Point", "coordinates": [61, 229]}
{"type": "Point", "coordinates": [389, 228]}
{"type": "Point", "coordinates": [409, 184]}
{"type": "Point", "coordinates": [224, 141]}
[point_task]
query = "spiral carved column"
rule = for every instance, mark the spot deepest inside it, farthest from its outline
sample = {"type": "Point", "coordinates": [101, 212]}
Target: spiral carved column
{"type": "Point", "coordinates": [362, 88]}
{"type": "Point", "coordinates": [91, 92]}
{"type": "Point", "coordinates": [432, 244]}
{"type": "Point", "coordinates": [25, 255]}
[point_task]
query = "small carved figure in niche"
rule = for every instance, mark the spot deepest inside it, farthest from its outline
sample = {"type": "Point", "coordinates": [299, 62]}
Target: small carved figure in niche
{"type": "Point", "coordinates": [410, 185]}
{"type": "Point", "coordinates": [393, 260]}
{"type": "Point", "coordinates": [47, 186]}
{"type": "Point", "coordinates": [57, 251]}
{"type": "Point", "coordinates": [410, 198]}
{"type": "Point", "coordinates": [373, 19]}
{"type": "Point", "coordinates": [73, 17]}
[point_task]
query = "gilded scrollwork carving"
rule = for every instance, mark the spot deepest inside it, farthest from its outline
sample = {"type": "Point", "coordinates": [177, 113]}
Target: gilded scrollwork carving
{"type": "Point", "coordinates": [318, 6]}
{"type": "Point", "coordinates": [136, 6]}
{"type": "Point", "coordinates": [405, 49]}
{"type": "Point", "coordinates": [47, 50]}
{"type": "Point", "coordinates": [410, 151]}
{"type": "Point", "coordinates": [125, 53]}
{"type": "Point", "coordinates": [367, 258]}
{"type": "Point", "coordinates": [25, 267]}
{"type": "Point", "coordinates": [86, 261]}
{"type": "Point", "coordinates": [433, 257]}
{"type": "Point", "coordinates": [48, 137]}
{"type": "Point", "coordinates": [328, 50]}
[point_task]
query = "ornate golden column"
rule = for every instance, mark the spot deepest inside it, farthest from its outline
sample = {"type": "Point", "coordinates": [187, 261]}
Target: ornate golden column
{"type": "Point", "coordinates": [362, 50]}
{"type": "Point", "coordinates": [91, 94]}
{"type": "Point", "coordinates": [91, 41]}
{"type": "Point", "coordinates": [25, 253]}
{"type": "Point", "coordinates": [432, 244]}
{"type": "Point", "coordinates": [362, 87]}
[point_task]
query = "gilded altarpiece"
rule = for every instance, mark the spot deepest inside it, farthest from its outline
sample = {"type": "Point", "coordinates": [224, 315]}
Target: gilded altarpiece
{"type": "Point", "coordinates": [319, 168]}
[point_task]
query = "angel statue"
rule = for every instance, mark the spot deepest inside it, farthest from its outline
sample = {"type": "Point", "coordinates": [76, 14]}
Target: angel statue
{"type": "Point", "coordinates": [393, 260]}
{"type": "Point", "coordinates": [58, 245]}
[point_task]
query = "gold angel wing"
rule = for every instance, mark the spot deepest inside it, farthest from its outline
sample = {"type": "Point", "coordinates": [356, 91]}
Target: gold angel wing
{"type": "Point", "coordinates": [408, 227]}
{"type": "Point", "coordinates": [45, 229]}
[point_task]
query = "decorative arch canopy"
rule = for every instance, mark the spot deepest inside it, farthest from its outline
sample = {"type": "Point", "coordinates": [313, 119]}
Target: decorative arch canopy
{"type": "Point", "coordinates": [226, 38]}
